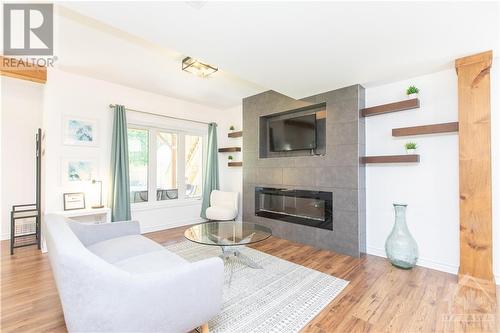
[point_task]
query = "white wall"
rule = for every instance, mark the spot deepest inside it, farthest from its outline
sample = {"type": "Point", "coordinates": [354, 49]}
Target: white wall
{"type": "Point", "coordinates": [430, 188]}
{"type": "Point", "coordinates": [231, 178]}
{"type": "Point", "coordinates": [68, 94]}
{"type": "Point", "coordinates": [21, 116]}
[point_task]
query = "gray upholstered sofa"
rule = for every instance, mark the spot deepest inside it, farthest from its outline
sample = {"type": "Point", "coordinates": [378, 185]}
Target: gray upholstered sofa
{"type": "Point", "coordinates": [112, 279]}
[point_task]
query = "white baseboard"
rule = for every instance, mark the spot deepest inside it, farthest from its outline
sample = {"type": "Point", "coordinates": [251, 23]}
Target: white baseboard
{"type": "Point", "coordinates": [438, 266]}
{"type": "Point", "coordinates": [5, 236]}
{"type": "Point", "coordinates": [169, 225]}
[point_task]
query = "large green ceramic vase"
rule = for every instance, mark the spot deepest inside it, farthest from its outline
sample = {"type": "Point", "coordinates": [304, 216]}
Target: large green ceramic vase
{"type": "Point", "coordinates": [400, 247]}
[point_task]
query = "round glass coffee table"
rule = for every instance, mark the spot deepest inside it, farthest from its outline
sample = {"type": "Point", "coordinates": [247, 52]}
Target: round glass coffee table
{"type": "Point", "coordinates": [229, 236]}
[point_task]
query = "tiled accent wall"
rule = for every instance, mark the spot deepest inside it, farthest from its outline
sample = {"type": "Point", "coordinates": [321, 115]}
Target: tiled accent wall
{"type": "Point", "coordinates": [337, 171]}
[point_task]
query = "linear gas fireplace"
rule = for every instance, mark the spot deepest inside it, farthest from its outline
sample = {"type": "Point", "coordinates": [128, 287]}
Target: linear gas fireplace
{"type": "Point", "coordinates": [311, 208]}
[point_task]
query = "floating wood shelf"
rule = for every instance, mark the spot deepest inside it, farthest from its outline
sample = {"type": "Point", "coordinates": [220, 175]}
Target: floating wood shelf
{"type": "Point", "coordinates": [391, 159]}
{"type": "Point", "coordinates": [238, 134]}
{"type": "Point", "coordinates": [229, 150]}
{"type": "Point", "coordinates": [426, 129]}
{"type": "Point", "coordinates": [391, 107]}
{"type": "Point", "coordinates": [235, 164]}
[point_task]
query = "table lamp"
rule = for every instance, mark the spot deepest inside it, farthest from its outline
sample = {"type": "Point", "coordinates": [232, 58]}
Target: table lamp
{"type": "Point", "coordinates": [100, 205]}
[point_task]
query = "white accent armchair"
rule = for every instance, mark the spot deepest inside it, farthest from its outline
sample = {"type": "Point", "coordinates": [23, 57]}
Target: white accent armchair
{"type": "Point", "coordinates": [112, 279]}
{"type": "Point", "coordinates": [223, 206]}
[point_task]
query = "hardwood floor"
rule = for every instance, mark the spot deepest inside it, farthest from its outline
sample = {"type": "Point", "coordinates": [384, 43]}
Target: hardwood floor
{"type": "Point", "coordinates": [379, 297]}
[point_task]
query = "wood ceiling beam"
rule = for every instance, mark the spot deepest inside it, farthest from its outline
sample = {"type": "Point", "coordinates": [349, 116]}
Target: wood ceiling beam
{"type": "Point", "coordinates": [24, 70]}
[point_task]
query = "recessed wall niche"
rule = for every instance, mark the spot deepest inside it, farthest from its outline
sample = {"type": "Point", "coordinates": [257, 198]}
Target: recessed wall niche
{"type": "Point", "coordinates": [265, 146]}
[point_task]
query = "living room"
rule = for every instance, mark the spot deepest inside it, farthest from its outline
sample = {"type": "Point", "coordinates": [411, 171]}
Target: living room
{"type": "Point", "coordinates": [266, 166]}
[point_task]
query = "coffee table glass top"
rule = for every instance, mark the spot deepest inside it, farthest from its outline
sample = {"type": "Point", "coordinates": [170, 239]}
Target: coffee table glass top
{"type": "Point", "coordinates": [227, 233]}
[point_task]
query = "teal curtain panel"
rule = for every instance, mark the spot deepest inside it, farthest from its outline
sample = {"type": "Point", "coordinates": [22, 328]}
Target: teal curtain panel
{"type": "Point", "coordinates": [120, 181]}
{"type": "Point", "coordinates": [211, 171]}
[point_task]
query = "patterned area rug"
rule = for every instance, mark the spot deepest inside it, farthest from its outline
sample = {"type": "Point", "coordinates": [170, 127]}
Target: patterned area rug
{"type": "Point", "coordinates": [281, 297]}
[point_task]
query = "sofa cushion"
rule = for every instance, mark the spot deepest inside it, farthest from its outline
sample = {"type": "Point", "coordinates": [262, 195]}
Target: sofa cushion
{"type": "Point", "coordinates": [221, 213]}
{"type": "Point", "coordinates": [120, 248]}
{"type": "Point", "coordinates": [151, 262]}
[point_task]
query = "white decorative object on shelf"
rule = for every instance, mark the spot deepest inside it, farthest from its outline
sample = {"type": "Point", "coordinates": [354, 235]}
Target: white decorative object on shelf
{"type": "Point", "coordinates": [412, 92]}
{"type": "Point", "coordinates": [411, 148]}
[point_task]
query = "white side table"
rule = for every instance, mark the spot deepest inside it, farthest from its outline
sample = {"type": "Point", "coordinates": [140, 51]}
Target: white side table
{"type": "Point", "coordinates": [88, 215]}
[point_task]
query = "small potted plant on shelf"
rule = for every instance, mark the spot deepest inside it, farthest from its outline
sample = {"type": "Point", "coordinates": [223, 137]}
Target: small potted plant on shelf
{"type": "Point", "coordinates": [231, 128]}
{"type": "Point", "coordinates": [230, 158]}
{"type": "Point", "coordinates": [412, 92]}
{"type": "Point", "coordinates": [411, 148]}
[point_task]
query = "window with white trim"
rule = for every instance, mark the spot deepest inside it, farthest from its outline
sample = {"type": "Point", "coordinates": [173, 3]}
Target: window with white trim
{"type": "Point", "coordinates": [165, 165]}
{"type": "Point", "coordinates": [138, 157]}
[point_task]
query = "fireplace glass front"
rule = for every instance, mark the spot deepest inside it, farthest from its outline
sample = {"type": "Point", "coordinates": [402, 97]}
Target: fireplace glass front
{"type": "Point", "coordinates": [311, 208]}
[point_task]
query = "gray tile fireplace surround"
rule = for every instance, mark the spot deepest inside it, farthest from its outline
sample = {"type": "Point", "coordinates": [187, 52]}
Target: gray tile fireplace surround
{"type": "Point", "coordinates": [337, 171]}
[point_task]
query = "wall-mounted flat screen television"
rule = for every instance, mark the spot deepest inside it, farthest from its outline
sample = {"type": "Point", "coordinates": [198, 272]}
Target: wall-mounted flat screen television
{"type": "Point", "coordinates": [297, 133]}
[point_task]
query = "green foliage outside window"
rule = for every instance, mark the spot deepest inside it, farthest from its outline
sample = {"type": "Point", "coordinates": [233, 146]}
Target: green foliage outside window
{"type": "Point", "coordinates": [138, 147]}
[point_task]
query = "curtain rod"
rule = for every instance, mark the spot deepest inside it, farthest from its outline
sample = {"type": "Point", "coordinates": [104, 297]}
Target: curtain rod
{"type": "Point", "coordinates": [162, 115]}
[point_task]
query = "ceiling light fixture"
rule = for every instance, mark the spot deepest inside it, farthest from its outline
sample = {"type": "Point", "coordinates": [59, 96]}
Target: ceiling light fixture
{"type": "Point", "coordinates": [196, 4]}
{"type": "Point", "coordinates": [197, 68]}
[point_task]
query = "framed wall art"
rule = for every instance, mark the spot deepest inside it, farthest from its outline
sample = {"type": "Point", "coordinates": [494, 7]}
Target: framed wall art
{"type": "Point", "coordinates": [80, 131]}
{"type": "Point", "coordinates": [78, 170]}
{"type": "Point", "coordinates": [74, 201]}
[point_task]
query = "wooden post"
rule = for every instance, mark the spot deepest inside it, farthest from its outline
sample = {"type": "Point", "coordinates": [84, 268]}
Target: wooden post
{"type": "Point", "coordinates": [475, 166]}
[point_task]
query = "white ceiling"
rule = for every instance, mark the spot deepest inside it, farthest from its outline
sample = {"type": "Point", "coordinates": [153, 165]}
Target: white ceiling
{"type": "Point", "coordinates": [88, 47]}
{"type": "Point", "coordinates": [296, 48]}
